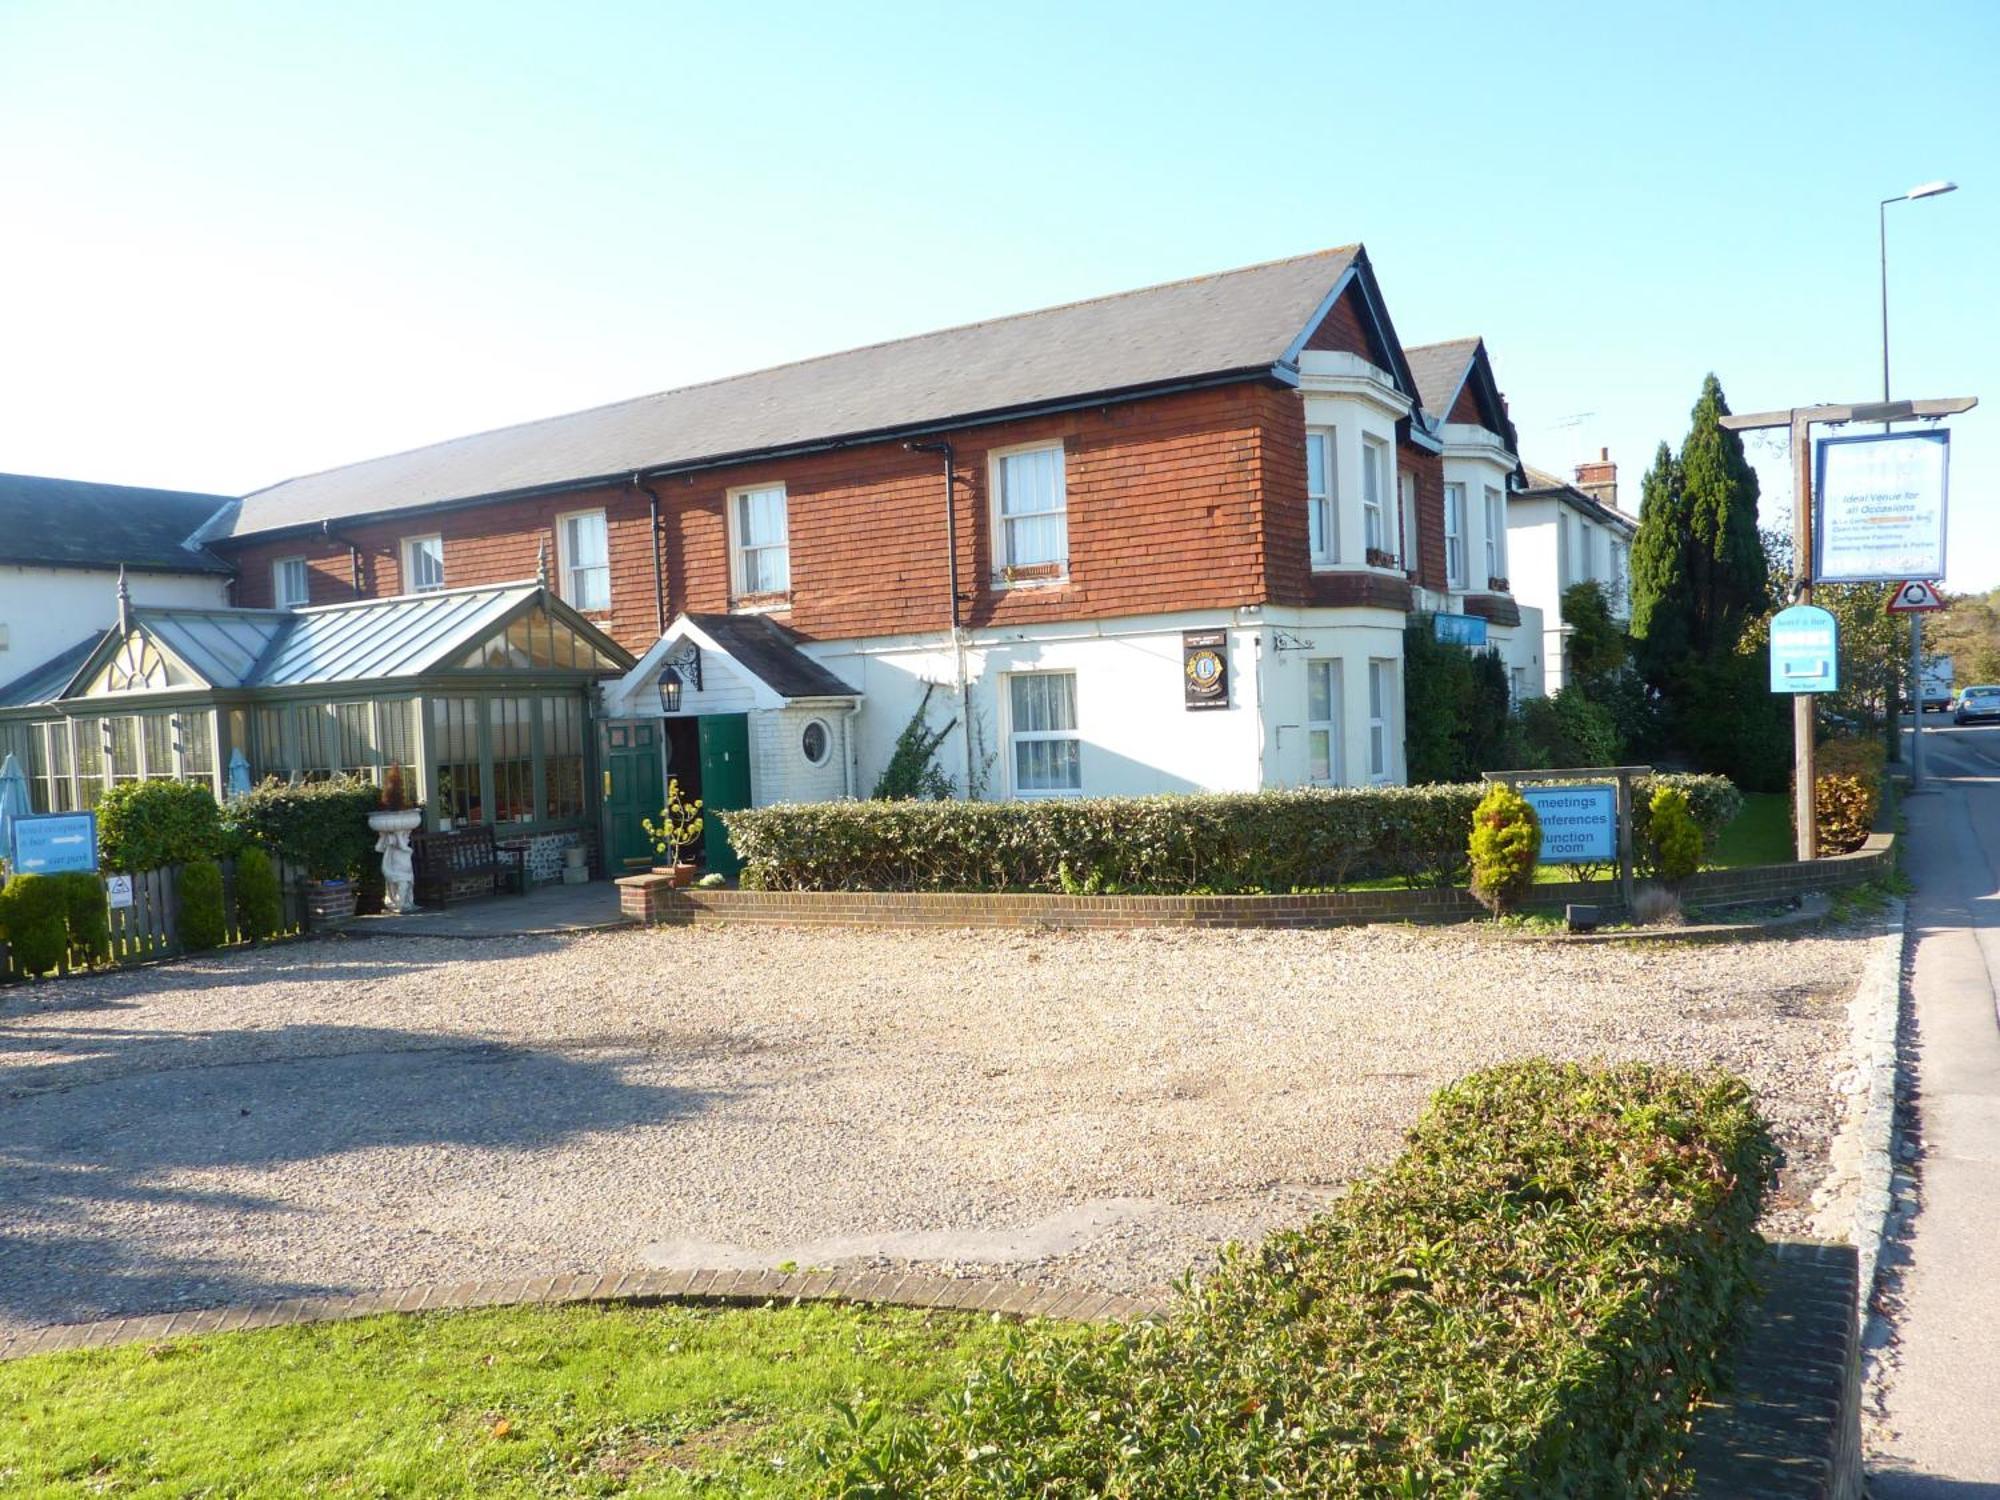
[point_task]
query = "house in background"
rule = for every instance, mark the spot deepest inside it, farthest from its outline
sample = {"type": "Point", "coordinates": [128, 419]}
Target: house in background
{"type": "Point", "coordinates": [1564, 533]}
{"type": "Point", "coordinates": [62, 545]}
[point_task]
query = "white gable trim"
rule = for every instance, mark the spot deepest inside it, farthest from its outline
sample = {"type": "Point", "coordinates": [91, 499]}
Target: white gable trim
{"type": "Point", "coordinates": [635, 695]}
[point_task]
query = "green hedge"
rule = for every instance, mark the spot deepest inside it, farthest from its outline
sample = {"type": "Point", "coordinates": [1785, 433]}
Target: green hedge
{"type": "Point", "coordinates": [319, 825]}
{"type": "Point", "coordinates": [1255, 841]}
{"type": "Point", "coordinates": [148, 825]}
{"type": "Point", "coordinates": [1528, 1302]}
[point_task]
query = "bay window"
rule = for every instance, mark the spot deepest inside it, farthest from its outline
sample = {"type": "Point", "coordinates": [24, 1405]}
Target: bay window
{"type": "Point", "coordinates": [1496, 534]}
{"type": "Point", "coordinates": [1374, 494]}
{"type": "Point", "coordinates": [1454, 535]}
{"type": "Point", "coordinates": [1323, 687]}
{"type": "Point", "coordinates": [1322, 509]}
{"type": "Point", "coordinates": [1381, 708]}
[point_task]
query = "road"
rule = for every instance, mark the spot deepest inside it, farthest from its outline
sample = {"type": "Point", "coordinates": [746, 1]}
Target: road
{"type": "Point", "coordinates": [1941, 1439]}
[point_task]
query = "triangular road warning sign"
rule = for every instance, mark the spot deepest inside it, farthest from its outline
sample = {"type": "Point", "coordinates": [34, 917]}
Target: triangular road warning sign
{"type": "Point", "coordinates": [1915, 598]}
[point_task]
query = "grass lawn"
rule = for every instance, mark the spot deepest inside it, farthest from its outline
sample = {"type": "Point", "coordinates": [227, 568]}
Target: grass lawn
{"type": "Point", "coordinates": [1759, 835]}
{"type": "Point", "coordinates": [582, 1400]}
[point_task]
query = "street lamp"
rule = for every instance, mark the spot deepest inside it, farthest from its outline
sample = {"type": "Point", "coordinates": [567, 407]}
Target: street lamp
{"type": "Point", "coordinates": [1922, 190]}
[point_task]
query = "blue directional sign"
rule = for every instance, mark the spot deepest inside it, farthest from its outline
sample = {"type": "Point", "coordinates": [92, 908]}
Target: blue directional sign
{"type": "Point", "coordinates": [1579, 823]}
{"type": "Point", "coordinates": [1805, 650]}
{"type": "Point", "coordinates": [55, 843]}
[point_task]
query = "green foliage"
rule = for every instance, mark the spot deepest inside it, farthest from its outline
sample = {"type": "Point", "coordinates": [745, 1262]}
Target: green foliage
{"type": "Point", "coordinates": [1457, 724]}
{"type": "Point", "coordinates": [1505, 843]}
{"type": "Point", "coordinates": [1847, 792]}
{"type": "Point", "coordinates": [913, 770]}
{"type": "Point", "coordinates": [201, 917]}
{"type": "Point", "coordinates": [149, 825]}
{"type": "Point", "coordinates": [1566, 730]}
{"type": "Point", "coordinates": [86, 916]}
{"type": "Point", "coordinates": [34, 919]}
{"type": "Point", "coordinates": [1281, 841]}
{"type": "Point", "coordinates": [1529, 1301]}
{"type": "Point", "coordinates": [1673, 838]}
{"type": "Point", "coordinates": [260, 908]}
{"type": "Point", "coordinates": [1597, 647]}
{"type": "Point", "coordinates": [321, 826]}
{"type": "Point", "coordinates": [1658, 563]}
{"type": "Point", "coordinates": [1726, 719]}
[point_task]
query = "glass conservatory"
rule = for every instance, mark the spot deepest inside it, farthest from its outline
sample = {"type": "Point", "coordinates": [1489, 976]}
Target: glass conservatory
{"type": "Point", "coordinates": [481, 695]}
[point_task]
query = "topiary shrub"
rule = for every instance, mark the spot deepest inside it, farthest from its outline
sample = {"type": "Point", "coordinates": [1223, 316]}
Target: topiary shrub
{"type": "Point", "coordinates": [35, 921]}
{"type": "Point", "coordinates": [148, 825]}
{"type": "Point", "coordinates": [321, 826]}
{"type": "Point", "coordinates": [1506, 841]}
{"type": "Point", "coordinates": [1673, 838]}
{"type": "Point", "coordinates": [201, 920]}
{"type": "Point", "coordinates": [86, 916]}
{"type": "Point", "coordinates": [260, 908]}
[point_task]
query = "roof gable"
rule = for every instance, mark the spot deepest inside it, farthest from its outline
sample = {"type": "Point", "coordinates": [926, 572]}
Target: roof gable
{"type": "Point", "coordinates": [1458, 386]}
{"type": "Point", "coordinates": [757, 661]}
{"type": "Point", "coordinates": [1236, 324]}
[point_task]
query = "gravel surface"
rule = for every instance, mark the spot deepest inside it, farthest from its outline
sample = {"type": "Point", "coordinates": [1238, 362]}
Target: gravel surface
{"type": "Point", "coordinates": [1089, 1109]}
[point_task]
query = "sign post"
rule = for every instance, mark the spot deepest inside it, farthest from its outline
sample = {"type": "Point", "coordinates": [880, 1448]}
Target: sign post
{"type": "Point", "coordinates": [1916, 598]}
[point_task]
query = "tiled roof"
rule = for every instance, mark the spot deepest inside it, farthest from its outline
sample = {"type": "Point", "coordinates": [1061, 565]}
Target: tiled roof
{"type": "Point", "coordinates": [1440, 371]}
{"type": "Point", "coordinates": [770, 652]}
{"type": "Point", "coordinates": [1209, 327]}
{"type": "Point", "coordinates": [1544, 485]}
{"type": "Point", "coordinates": [72, 523]}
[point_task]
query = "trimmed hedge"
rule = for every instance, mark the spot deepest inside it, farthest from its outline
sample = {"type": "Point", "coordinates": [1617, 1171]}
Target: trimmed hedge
{"type": "Point", "coordinates": [148, 825]}
{"type": "Point", "coordinates": [34, 919]}
{"type": "Point", "coordinates": [1281, 841]}
{"type": "Point", "coordinates": [1528, 1302]}
{"type": "Point", "coordinates": [201, 908]}
{"type": "Point", "coordinates": [260, 905]}
{"type": "Point", "coordinates": [319, 825]}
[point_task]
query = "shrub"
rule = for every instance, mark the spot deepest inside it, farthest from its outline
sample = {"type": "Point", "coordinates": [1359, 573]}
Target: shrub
{"type": "Point", "coordinates": [1282, 841]}
{"type": "Point", "coordinates": [201, 920]}
{"type": "Point", "coordinates": [1463, 728]}
{"type": "Point", "coordinates": [321, 826]}
{"type": "Point", "coordinates": [259, 902]}
{"type": "Point", "coordinates": [1506, 841]}
{"type": "Point", "coordinates": [1566, 730]}
{"type": "Point", "coordinates": [1673, 838]}
{"type": "Point", "coordinates": [148, 825]}
{"type": "Point", "coordinates": [1847, 792]}
{"type": "Point", "coordinates": [34, 919]}
{"type": "Point", "coordinates": [1529, 1301]}
{"type": "Point", "coordinates": [86, 916]}
{"type": "Point", "coordinates": [913, 770]}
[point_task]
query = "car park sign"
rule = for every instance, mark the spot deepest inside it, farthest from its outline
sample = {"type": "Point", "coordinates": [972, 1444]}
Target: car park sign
{"type": "Point", "coordinates": [55, 843]}
{"type": "Point", "coordinates": [1805, 650]}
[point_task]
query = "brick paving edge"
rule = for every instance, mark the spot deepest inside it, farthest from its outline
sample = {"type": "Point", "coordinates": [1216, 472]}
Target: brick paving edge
{"type": "Point", "coordinates": [996, 1297]}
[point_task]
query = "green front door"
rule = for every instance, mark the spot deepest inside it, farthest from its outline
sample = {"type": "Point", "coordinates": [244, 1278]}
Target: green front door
{"type": "Point", "coordinates": [631, 792]}
{"type": "Point", "coordinates": [725, 783]}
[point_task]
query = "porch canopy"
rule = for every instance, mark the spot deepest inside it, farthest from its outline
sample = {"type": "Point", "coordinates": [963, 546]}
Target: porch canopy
{"type": "Point", "coordinates": [481, 695]}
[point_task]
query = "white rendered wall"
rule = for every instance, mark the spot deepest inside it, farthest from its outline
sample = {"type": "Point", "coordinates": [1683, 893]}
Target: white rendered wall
{"type": "Point", "coordinates": [45, 611]}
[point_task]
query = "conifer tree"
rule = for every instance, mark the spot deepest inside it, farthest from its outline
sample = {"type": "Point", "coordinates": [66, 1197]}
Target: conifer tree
{"type": "Point", "coordinates": [1659, 622]}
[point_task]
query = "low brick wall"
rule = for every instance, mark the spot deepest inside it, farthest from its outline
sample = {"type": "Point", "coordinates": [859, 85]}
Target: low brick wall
{"type": "Point", "coordinates": [654, 899]}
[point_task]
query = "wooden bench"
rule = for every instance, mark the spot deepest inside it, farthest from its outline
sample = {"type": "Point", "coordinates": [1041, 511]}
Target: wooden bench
{"type": "Point", "coordinates": [464, 862]}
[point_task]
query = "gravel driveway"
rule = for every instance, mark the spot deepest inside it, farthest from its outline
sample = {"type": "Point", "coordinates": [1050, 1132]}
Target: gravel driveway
{"type": "Point", "coordinates": [1094, 1109]}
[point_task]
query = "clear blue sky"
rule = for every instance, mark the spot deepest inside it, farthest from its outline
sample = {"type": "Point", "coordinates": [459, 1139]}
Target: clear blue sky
{"type": "Point", "coordinates": [246, 241]}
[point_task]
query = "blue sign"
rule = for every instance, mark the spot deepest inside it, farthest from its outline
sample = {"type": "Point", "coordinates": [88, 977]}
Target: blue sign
{"type": "Point", "coordinates": [1460, 630]}
{"type": "Point", "coordinates": [1579, 823]}
{"type": "Point", "coordinates": [55, 843]}
{"type": "Point", "coordinates": [1805, 650]}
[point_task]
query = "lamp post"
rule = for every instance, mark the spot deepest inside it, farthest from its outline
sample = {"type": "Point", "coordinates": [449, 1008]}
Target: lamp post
{"type": "Point", "coordinates": [1922, 190]}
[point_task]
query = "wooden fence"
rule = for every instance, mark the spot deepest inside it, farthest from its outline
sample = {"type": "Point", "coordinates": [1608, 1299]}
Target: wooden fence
{"type": "Point", "coordinates": [149, 928]}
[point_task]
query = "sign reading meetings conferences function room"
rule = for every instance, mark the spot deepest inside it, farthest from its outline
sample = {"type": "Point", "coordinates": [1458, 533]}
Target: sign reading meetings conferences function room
{"type": "Point", "coordinates": [1878, 506]}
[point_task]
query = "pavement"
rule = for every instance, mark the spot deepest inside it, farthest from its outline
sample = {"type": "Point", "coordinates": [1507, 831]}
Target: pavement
{"type": "Point", "coordinates": [545, 911]}
{"type": "Point", "coordinates": [1939, 1437]}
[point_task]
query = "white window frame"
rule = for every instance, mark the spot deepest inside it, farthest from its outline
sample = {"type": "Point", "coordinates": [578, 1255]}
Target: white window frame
{"type": "Point", "coordinates": [1382, 677]}
{"type": "Point", "coordinates": [1335, 685]}
{"type": "Point", "coordinates": [1003, 560]}
{"type": "Point", "coordinates": [740, 549]}
{"type": "Point", "coordinates": [1374, 495]}
{"type": "Point", "coordinates": [278, 594]}
{"type": "Point", "coordinates": [411, 544]}
{"type": "Point", "coordinates": [567, 567]}
{"type": "Point", "coordinates": [1023, 736]}
{"type": "Point", "coordinates": [1454, 534]}
{"type": "Point", "coordinates": [1327, 554]}
{"type": "Point", "coordinates": [1496, 532]}
{"type": "Point", "coordinates": [1407, 549]}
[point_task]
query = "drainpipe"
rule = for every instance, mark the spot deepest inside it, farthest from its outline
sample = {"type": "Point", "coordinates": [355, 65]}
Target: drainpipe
{"type": "Point", "coordinates": [951, 583]}
{"type": "Point", "coordinates": [353, 556]}
{"type": "Point", "coordinates": [659, 566]}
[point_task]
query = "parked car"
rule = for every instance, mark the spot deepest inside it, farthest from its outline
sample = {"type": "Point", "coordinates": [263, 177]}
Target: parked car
{"type": "Point", "coordinates": [1977, 703]}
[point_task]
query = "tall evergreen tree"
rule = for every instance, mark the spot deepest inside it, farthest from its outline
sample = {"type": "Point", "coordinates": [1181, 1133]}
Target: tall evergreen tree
{"type": "Point", "coordinates": [1727, 570]}
{"type": "Point", "coordinates": [1659, 618]}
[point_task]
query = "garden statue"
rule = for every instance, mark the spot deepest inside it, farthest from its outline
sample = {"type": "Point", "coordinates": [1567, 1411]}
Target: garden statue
{"type": "Point", "coordinates": [393, 826]}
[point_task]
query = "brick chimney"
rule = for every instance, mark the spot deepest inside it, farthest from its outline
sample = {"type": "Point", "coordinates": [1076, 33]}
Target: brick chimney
{"type": "Point", "coordinates": [1599, 480]}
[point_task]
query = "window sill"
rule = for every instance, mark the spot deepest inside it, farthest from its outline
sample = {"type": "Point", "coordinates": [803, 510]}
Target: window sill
{"type": "Point", "coordinates": [759, 604]}
{"type": "Point", "coordinates": [1048, 796]}
{"type": "Point", "coordinates": [1046, 576]}
{"type": "Point", "coordinates": [1379, 570]}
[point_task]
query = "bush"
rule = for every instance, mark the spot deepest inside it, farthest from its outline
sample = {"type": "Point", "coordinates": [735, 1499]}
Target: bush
{"type": "Point", "coordinates": [1506, 841]}
{"type": "Point", "coordinates": [1566, 730]}
{"type": "Point", "coordinates": [1673, 838]}
{"type": "Point", "coordinates": [148, 825]}
{"type": "Point", "coordinates": [34, 919]}
{"type": "Point", "coordinates": [1847, 792]}
{"type": "Point", "coordinates": [201, 920]}
{"type": "Point", "coordinates": [259, 903]}
{"type": "Point", "coordinates": [321, 826]}
{"type": "Point", "coordinates": [1529, 1301]}
{"type": "Point", "coordinates": [86, 916]}
{"type": "Point", "coordinates": [1462, 729]}
{"type": "Point", "coordinates": [1281, 841]}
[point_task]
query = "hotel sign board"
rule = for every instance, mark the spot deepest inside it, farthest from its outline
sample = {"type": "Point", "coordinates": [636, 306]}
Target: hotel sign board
{"type": "Point", "coordinates": [1879, 507]}
{"type": "Point", "coordinates": [55, 843]}
{"type": "Point", "coordinates": [1579, 823]}
{"type": "Point", "coordinates": [1805, 650]}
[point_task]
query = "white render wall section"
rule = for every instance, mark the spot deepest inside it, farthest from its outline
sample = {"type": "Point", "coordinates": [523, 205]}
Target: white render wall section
{"type": "Point", "coordinates": [1555, 545]}
{"type": "Point", "coordinates": [45, 611]}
